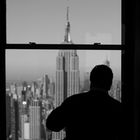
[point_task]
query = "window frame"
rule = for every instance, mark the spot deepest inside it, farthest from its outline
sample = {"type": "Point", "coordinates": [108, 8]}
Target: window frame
{"type": "Point", "coordinates": [127, 52]}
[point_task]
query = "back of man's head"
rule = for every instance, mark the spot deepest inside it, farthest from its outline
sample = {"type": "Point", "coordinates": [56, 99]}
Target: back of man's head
{"type": "Point", "coordinates": [101, 77]}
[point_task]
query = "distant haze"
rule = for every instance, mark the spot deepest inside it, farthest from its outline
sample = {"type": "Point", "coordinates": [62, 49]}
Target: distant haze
{"type": "Point", "coordinates": [33, 64]}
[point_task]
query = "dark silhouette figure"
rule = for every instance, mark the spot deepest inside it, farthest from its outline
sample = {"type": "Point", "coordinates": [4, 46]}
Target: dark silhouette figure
{"type": "Point", "coordinates": [93, 115]}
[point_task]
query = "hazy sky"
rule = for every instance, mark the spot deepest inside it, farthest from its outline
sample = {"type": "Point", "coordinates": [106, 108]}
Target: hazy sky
{"type": "Point", "coordinates": [33, 64]}
{"type": "Point", "coordinates": [43, 21]}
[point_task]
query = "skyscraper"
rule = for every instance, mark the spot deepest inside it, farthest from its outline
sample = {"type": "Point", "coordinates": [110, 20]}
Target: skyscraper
{"type": "Point", "coordinates": [67, 70]}
{"type": "Point", "coordinates": [24, 127]}
{"type": "Point", "coordinates": [23, 119]}
{"type": "Point", "coordinates": [67, 38]}
{"type": "Point", "coordinates": [35, 120]}
{"type": "Point", "coordinates": [8, 115]}
{"type": "Point", "coordinates": [67, 74]}
{"type": "Point", "coordinates": [46, 82]}
{"type": "Point", "coordinates": [14, 117]}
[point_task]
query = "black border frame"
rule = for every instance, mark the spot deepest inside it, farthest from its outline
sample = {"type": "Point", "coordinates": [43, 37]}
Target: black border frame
{"type": "Point", "coordinates": [131, 57]}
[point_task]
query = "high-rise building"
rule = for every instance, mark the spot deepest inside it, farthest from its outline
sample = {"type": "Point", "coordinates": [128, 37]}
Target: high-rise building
{"type": "Point", "coordinates": [51, 91]}
{"type": "Point", "coordinates": [13, 89]}
{"type": "Point", "coordinates": [24, 92]}
{"type": "Point", "coordinates": [26, 131]}
{"type": "Point", "coordinates": [67, 70]}
{"type": "Point", "coordinates": [24, 127]}
{"type": "Point", "coordinates": [67, 38]}
{"type": "Point", "coordinates": [35, 119]}
{"type": "Point", "coordinates": [23, 117]}
{"type": "Point", "coordinates": [46, 82]}
{"type": "Point", "coordinates": [14, 117]}
{"type": "Point", "coordinates": [67, 75]}
{"type": "Point", "coordinates": [34, 87]}
{"type": "Point", "coordinates": [20, 113]}
{"type": "Point", "coordinates": [19, 91]}
{"type": "Point", "coordinates": [8, 115]}
{"type": "Point", "coordinates": [45, 133]}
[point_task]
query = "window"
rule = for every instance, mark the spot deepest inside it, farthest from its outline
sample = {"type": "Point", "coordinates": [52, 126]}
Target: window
{"type": "Point", "coordinates": [38, 39]}
{"type": "Point", "coordinates": [31, 76]}
{"type": "Point", "coordinates": [43, 22]}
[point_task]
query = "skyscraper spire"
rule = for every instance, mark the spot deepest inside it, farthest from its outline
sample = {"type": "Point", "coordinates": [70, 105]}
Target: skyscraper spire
{"type": "Point", "coordinates": [67, 38]}
{"type": "Point", "coordinates": [67, 13]}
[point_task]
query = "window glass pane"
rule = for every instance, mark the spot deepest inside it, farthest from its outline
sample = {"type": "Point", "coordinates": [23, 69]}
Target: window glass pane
{"type": "Point", "coordinates": [33, 79]}
{"type": "Point", "coordinates": [44, 21]}
{"type": "Point", "coordinates": [31, 64]}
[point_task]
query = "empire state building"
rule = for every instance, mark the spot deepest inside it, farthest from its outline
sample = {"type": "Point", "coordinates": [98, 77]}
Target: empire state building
{"type": "Point", "coordinates": [67, 69]}
{"type": "Point", "coordinates": [67, 75]}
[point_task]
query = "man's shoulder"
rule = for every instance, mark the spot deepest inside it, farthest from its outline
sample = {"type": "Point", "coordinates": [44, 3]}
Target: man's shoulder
{"type": "Point", "coordinates": [76, 97]}
{"type": "Point", "coordinates": [114, 101]}
{"type": "Point", "coordinates": [117, 105]}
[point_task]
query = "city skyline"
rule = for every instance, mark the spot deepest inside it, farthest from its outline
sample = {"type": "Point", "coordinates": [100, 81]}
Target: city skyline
{"type": "Point", "coordinates": [44, 21]}
{"type": "Point", "coordinates": [29, 104]}
{"type": "Point", "coordinates": [37, 81]}
{"type": "Point", "coordinates": [22, 65]}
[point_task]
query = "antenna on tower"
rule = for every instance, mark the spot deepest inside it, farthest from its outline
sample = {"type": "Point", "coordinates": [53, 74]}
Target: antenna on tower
{"type": "Point", "coordinates": [67, 13]}
{"type": "Point", "coordinates": [67, 10]}
{"type": "Point", "coordinates": [67, 38]}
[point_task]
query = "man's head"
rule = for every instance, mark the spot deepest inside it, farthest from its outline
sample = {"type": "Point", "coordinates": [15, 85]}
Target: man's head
{"type": "Point", "coordinates": [101, 77]}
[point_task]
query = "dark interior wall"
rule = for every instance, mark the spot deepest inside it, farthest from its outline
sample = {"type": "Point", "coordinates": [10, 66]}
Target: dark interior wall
{"type": "Point", "coordinates": [2, 22]}
{"type": "Point", "coordinates": [137, 68]}
{"type": "Point", "coordinates": [132, 68]}
{"type": "Point", "coordinates": [2, 68]}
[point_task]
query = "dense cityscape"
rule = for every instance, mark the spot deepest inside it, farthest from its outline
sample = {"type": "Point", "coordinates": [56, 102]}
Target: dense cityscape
{"type": "Point", "coordinates": [29, 104]}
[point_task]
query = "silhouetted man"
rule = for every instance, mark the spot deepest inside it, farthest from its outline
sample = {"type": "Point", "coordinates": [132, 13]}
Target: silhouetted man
{"type": "Point", "coordinates": [93, 115]}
